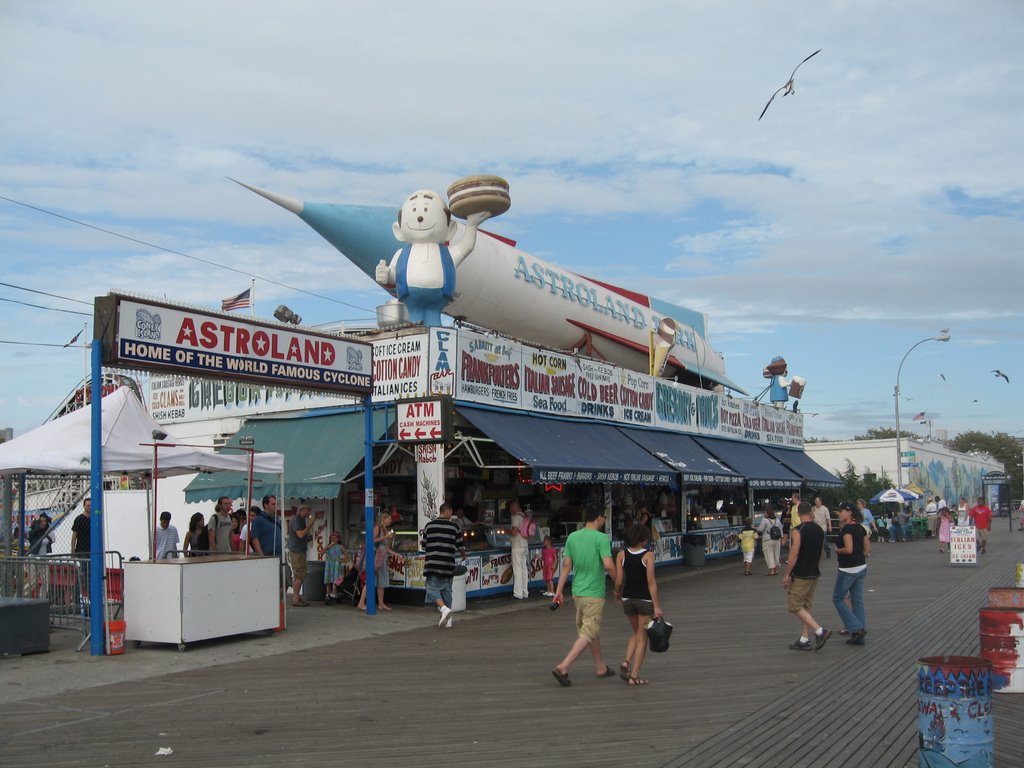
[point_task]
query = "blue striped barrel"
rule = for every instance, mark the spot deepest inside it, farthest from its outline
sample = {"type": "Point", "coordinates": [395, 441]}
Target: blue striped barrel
{"type": "Point", "coordinates": [954, 711]}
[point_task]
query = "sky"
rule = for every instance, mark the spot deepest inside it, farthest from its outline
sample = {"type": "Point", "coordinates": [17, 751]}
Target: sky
{"type": "Point", "coordinates": [880, 203]}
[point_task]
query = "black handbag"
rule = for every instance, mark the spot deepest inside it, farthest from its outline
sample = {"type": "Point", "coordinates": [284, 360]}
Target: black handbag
{"type": "Point", "coordinates": [658, 633]}
{"type": "Point", "coordinates": [460, 570]}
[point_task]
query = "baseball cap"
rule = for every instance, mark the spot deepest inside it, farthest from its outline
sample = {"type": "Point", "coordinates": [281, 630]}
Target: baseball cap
{"type": "Point", "coordinates": [847, 506]}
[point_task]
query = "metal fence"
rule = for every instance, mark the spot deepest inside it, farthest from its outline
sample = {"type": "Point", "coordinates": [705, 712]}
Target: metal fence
{"type": "Point", "coordinates": [59, 496]}
{"type": "Point", "coordinates": [63, 581]}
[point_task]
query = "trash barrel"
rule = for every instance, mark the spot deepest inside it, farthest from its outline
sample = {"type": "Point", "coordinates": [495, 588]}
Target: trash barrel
{"type": "Point", "coordinates": [954, 711]}
{"type": "Point", "coordinates": [694, 545]}
{"type": "Point", "coordinates": [117, 630]}
{"type": "Point", "coordinates": [313, 584]}
{"type": "Point", "coordinates": [459, 593]}
{"type": "Point", "coordinates": [1001, 631]}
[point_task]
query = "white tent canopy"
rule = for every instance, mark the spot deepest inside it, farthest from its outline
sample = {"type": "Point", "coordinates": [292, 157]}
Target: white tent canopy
{"type": "Point", "coordinates": [64, 446]}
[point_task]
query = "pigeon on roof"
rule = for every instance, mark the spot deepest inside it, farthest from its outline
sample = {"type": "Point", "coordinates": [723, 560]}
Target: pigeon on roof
{"type": "Point", "coordinates": [788, 87]}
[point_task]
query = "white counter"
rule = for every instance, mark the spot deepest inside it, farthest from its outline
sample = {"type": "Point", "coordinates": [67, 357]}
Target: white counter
{"type": "Point", "coordinates": [197, 598]}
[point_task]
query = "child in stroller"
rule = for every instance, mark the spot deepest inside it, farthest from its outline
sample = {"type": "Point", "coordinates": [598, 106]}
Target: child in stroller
{"type": "Point", "coordinates": [349, 587]}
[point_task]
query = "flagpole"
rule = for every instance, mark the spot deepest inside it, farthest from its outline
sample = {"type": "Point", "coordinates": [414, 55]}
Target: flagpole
{"type": "Point", "coordinates": [85, 368]}
{"type": "Point", "coordinates": [252, 296]}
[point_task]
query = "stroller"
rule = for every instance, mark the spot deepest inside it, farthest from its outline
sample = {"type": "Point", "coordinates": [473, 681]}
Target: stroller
{"type": "Point", "coordinates": [351, 587]}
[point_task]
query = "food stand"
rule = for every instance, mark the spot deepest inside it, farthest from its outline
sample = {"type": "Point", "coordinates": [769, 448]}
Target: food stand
{"type": "Point", "coordinates": [198, 598]}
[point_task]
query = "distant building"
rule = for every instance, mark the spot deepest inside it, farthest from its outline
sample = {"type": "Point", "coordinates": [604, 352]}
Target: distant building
{"type": "Point", "coordinates": [7, 433]}
{"type": "Point", "coordinates": [929, 468]}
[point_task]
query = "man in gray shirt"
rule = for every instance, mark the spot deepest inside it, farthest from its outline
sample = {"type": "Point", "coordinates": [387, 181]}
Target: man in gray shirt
{"type": "Point", "coordinates": [220, 526]}
{"type": "Point", "coordinates": [299, 528]}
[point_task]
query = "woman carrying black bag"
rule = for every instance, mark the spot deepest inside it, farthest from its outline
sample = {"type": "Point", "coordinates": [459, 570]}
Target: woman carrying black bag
{"type": "Point", "coordinates": [635, 586]}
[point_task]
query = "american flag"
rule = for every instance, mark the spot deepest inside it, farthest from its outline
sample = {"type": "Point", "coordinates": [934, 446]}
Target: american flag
{"type": "Point", "coordinates": [919, 416]}
{"type": "Point", "coordinates": [74, 339]}
{"type": "Point", "coordinates": [241, 301]}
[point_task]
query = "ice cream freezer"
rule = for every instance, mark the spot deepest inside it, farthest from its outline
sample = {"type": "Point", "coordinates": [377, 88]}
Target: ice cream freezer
{"type": "Point", "coordinates": [198, 598]}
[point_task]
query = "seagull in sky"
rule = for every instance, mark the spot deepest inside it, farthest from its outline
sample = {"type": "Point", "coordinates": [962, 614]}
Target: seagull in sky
{"type": "Point", "coordinates": [788, 87]}
{"type": "Point", "coordinates": [942, 376]}
{"type": "Point", "coordinates": [1000, 374]}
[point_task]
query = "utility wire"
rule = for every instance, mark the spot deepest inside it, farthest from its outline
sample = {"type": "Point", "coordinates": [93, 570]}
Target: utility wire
{"type": "Point", "coordinates": [52, 309]}
{"type": "Point", "coordinates": [44, 293]}
{"type": "Point", "coordinates": [40, 344]}
{"type": "Point", "coordinates": [185, 255]}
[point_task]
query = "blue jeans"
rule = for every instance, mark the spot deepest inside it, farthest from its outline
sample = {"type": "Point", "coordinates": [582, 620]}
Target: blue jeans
{"type": "Point", "coordinates": [438, 588]}
{"type": "Point", "coordinates": [852, 583]}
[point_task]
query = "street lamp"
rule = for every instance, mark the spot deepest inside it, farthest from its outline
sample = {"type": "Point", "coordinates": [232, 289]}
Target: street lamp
{"type": "Point", "coordinates": [943, 336]}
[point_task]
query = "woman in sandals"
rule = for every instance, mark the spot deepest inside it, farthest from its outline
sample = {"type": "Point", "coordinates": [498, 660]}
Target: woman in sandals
{"type": "Point", "coordinates": [636, 587]}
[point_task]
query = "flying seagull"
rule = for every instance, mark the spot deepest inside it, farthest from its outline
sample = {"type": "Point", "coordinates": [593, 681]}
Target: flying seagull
{"type": "Point", "coordinates": [788, 87]}
{"type": "Point", "coordinates": [942, 376]}
{"type": "Point", "coordinates": [999, 373]}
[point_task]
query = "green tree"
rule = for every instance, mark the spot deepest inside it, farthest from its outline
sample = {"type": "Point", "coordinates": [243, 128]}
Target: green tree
{"type": "Point", "coordinates": [855, 486]}
{"type": "Point", "coordinates": [886, 433]}
{"type": "Point", "coordinates": [1001, 447]}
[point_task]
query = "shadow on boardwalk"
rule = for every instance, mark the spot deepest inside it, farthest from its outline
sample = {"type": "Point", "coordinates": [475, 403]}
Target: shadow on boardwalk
{"type": "Point", "coordinates": [729, 692]}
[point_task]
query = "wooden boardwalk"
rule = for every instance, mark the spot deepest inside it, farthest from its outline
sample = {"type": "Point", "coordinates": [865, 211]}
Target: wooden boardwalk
{"type": "Point", "coordinates": [728, 692]}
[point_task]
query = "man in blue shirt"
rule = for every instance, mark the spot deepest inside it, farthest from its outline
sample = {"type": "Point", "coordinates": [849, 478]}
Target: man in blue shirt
{"type": "Point", "coordinates": [869, 519]}
{"type": "Point", "coordinates": [265, 530]}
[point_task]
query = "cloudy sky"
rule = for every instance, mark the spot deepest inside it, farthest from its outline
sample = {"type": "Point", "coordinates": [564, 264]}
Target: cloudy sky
{"type": "Point", "coordinates": [881, 203]}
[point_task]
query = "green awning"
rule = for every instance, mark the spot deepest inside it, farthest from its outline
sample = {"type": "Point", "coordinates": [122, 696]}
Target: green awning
{"type": "Point", "coordinates": [320, 450]}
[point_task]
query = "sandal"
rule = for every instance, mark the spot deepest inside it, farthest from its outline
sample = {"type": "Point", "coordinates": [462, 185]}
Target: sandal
{"type": "Point", "coordinates": [562, 678]}
{"type": "Point", "coordinates": [607, 672]}
{"type": "Point", "coordinates": [624, 671]}
{"type": "Point", "coordinates": [638, 681]}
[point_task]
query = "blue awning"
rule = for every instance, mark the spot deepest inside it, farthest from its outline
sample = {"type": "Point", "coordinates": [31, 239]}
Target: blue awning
{"type": "Point", "coordinates": [681, 452]}
{"type": "Point", "coordinates": [320, 450]}
{"type": "Point", "coordinates": [811, 471]}
{"type": "Point", "coordinates": [571, 451]}
{"type": "Point", "coordinates": [759, 468]}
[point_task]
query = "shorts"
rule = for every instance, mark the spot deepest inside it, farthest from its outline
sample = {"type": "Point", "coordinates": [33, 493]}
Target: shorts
{"type": "Point", "coordinates": [636, 607]}
{"type": "Point", "coordinates": [801, 594]}
{"type": "Point", "coordinates": [748, 557]}
{"type": "Point", "coordinates": [438, 588]}
{"type": "Point", "coordinates": [589, 612]}
{"type": "Point", "coordinates": [297, 561]}
{"type": "Point", "coordinates": [983, 536]}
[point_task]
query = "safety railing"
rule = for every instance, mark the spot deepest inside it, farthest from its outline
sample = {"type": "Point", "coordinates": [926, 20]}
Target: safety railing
{"type": "Point", "coordinates": [63, 581]}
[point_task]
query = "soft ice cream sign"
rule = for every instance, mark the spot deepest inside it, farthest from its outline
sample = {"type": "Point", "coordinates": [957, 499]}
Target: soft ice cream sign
{"type": "Point", "coordinates": [164, 337]}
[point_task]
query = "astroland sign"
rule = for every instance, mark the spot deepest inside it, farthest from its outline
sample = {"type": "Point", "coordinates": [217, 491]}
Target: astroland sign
{"type": "Point", "coordinates": [154, 336]}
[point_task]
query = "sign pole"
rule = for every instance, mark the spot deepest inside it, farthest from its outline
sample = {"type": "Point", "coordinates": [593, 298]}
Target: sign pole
{"type": "Point", "coordinates": [96, 596]}
{"type": "Point", "coordinates": [368, 552]}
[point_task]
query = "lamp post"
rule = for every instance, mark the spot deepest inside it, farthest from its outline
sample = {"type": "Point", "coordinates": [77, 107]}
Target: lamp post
{"type": "Point", "coordinates": [943, 336]}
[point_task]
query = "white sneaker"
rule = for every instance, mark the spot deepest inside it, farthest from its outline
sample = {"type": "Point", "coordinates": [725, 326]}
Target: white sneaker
{"type": "Point", "coordinates": [449, 624]}
{"type": "Point", "coordinates": [445, 610]}
{"type": "Point", "coordinates": [549, 594]}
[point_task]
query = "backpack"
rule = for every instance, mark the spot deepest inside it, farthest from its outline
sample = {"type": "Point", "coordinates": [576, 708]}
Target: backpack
{"type": "Point", "coordinates": [774, 532]}
{"type": "Point", "coordinates": [528, 528]}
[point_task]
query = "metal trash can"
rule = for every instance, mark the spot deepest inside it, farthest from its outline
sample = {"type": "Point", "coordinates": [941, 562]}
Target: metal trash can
{"type": "Point", "coordinates": [313, 584]}
{"type": "Point", "coordinates": [694, 546]}
{"type": "Point", "coordinates": [954, 691]}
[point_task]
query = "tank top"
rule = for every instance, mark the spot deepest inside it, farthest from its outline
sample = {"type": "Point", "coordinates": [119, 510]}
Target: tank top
{"type": "Point", "coordinates": [811, 539]}
{"type": "Point", "coordinates": [634, 585]}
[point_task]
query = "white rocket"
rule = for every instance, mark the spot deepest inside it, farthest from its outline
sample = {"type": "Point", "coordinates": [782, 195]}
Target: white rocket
{"type": "Point", "coordinates": [505, 289]}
